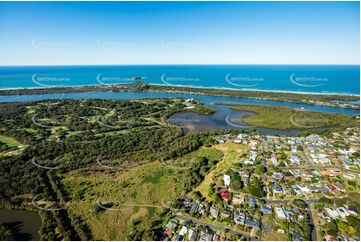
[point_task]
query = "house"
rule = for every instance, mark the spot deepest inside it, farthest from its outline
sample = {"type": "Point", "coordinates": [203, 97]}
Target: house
{"type": "Point", "coordinates": [311, 149]}
{"type": "Point", "coordinates": [304, 189]}
{"type": "Point", "coordinates": [293, 148]}
{"type": "Point", "coordinates": [349, 176]}
{"type": "Point", "coordinates": [248, 162]}
{"type": "Point", "coordinates": [333, 187]}
{"type": "Point", "coordinates": [221, 141]}
{"type": "Point", "coordinates": [206, 236]}
{"type": "Point", "coordinates": [312, 188]}
{"type": "Point", "coordinates": [339, 187]}
{"type": "Point", "coordinates": [331, 173]}
{"type": "Point", "coordinates": [288, 213]}
{"type": "Point", "coordinates": [183, 230]}
{"type": "Point", "coordinates": [225, 213]}
{"type": "Point", "coordinates": [320, 158]}
{"type": "Point", "coordinates": [297, 189]}
{"type": "Point", "coordinates": [215, 237]}
{"type": "Point", "coordinates": [245, 177]}
{"type": "Point", "coordinates": [168, 233]}
{"type": "Point", "coordinates": [252, 222]}
{"type": "Point", "coordinates": [295, 236]}
{"type": "Point", "coordinates": [266, 209]}
{"type": "Point", "coordinates": [179, 237]}
{"type": "Point", "coordinates": [330, 238]}
{"type": "Point", "coordinates": [277, 188]}
{"type": "Point", "coordinates": [251, 201]}
{"type": "Point", "coordinates": [342, 212]}
{"type": "Point", "coordinates": [214, 212]}
{"type": "Point", "coordinates": [201, 208]}
{"type": "Point", "coordinates": [227, 180]}
{"type": "Point", "coordinates": [324, 190]}
{"type": "Point", "coordinates": [253, 155]}
{"type": "Point", "coordinates": [331, 213]}
{"type": "Point", "coordinates": [239, 218]}
{"type": "Point", "coordinates": [287, 175]}
{"type": "Point", "coordinates": [295, 159]}
{"type": "Point", "coordinates": [313, 138]}
{"type": "Point", "coordinates": [280, 213]}
{"type": "Point", "coordinates": [278, 175]}
{"type": "Point", "coordinates": [316, 173]}
{"type": "Point", "coordinates": [347, 164]}
{"type": "Point", "coordinates": [192, 235]}
{"type": "Point", "coordinates": [352, 210]}
{"type": "Point", "coordinates": [171, 225]}
{"type": "Point", "coordinates": [274, 159]}
{"type": "Point", "coordinates": [238, 199]}
{"type": "Point", "coordinates": [194, 207]}
{"type": "Point", "coordinates": [225, 195]}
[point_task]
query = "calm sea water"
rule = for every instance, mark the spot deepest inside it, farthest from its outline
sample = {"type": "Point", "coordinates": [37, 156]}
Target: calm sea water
{"type": "Point", "coordinates": [297, 78]}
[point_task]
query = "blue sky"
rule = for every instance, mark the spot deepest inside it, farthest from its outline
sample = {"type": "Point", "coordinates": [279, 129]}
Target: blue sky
{"type": "Point", "coordinates": [84, 33]}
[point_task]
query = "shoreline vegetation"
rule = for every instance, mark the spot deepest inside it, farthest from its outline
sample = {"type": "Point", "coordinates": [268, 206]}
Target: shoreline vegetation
{"type": "Point", "coordinates": [333, 100]}
{"type": "Point", "coordinates": [285, 118]}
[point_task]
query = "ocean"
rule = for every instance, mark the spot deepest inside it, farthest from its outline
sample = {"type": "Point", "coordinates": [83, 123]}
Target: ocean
{"type": "Point", "coordinates": [341, 79]}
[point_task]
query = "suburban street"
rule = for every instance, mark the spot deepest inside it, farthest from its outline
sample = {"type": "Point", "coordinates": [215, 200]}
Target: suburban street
{"type": "Point", "coordinates": [213, 227]}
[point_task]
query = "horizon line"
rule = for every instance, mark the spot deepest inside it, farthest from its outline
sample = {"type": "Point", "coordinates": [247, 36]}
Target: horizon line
{"type": "Point", "coordinates": [214, 64]}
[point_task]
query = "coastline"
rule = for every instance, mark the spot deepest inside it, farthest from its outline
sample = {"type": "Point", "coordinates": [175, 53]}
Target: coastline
{"type": "Point", "coordinates": [184, 86]}
{"type": "Point", "coordinates": [324, 99]}
{"type": "Point", "coordinates": [261, 90]}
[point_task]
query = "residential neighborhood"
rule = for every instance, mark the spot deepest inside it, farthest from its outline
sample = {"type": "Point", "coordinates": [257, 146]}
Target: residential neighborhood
{"type": "Point", "coordinates": [279, 188]}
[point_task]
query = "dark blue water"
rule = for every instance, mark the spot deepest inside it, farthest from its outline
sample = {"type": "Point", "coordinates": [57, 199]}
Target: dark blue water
{"type": "Point", "coordinates": [208, 100]}
{"type": "Point", "coordinates": [294, 78]}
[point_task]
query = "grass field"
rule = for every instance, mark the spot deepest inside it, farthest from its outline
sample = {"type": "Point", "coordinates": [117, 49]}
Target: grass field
{"type": "Point", "coordinates": [139, 194]}
{"type": "Point", "coordinates": [231, 152]}
{"type": "Point", "coordinates": [141, 191]}
{"type": "Point", "coordinates": [12, 146]}
{"type": "Point", "coordinates": [13, 143]}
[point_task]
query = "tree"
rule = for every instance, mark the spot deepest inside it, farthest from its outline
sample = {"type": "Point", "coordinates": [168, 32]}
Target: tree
{"type": "Point", "coordinates": [260, 169]}
{"type": "Point", "coordinates": [325, 200]}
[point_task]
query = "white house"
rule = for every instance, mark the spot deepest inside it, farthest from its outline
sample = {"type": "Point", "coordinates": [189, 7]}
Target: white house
{"type": "Point", "coordinates": [227, 180]}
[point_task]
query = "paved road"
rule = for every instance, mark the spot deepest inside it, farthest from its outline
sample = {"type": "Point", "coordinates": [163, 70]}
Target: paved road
{"type": "Point", "coordinates": [314, 167]}
{"type": "Point", "coordinates": [314, 232]}
{"type": "Point", "coordinates": [213, 227]}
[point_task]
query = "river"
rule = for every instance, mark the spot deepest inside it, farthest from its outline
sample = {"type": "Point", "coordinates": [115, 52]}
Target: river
{"type": "Point", "coordinates": [25, 223]}
{"type": "Point", "coordinates": [223, 118]}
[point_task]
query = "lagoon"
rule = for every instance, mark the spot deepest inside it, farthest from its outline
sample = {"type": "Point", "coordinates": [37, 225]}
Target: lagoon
{"type": "Point", "coordinates": [223, 118]}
